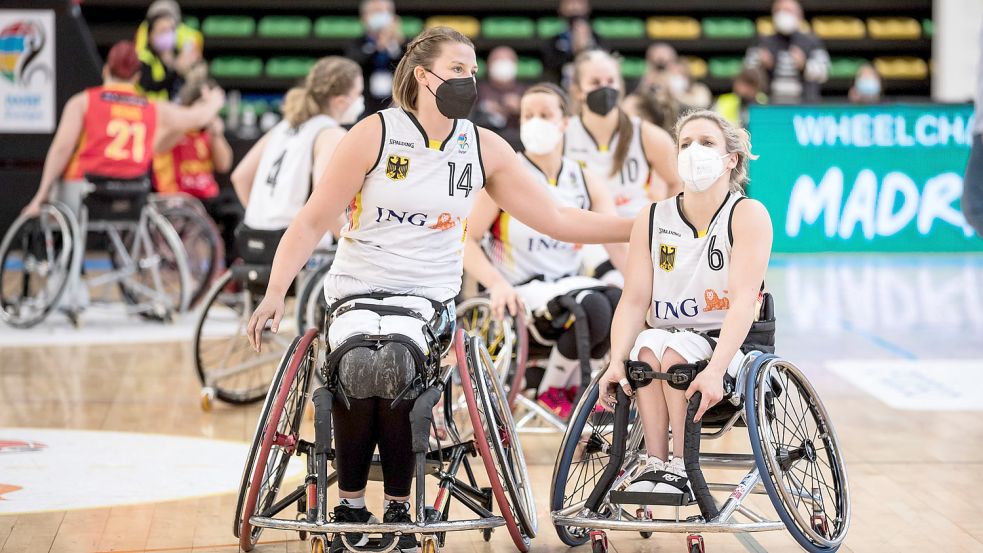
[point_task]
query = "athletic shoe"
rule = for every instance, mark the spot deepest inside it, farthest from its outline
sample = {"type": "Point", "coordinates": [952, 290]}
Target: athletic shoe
{"type": "Point", "coordinates": [670, 479]}
{"type": "Point", "coordinates": [644, 480]}
{"type": "Point", "coordinates": [344, 513]}
{"type": "Point", "coordinates": [555, 399]}
{"type": "Point", "coordinates": [398, 512]}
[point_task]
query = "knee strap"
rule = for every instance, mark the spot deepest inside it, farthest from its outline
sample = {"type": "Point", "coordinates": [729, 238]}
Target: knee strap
{"type": "Point", "coordinates": [640, 374]}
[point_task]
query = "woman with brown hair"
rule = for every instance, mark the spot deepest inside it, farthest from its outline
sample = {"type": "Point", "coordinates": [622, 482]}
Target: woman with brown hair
{"type": "Point", "coordinates": [405, 235]}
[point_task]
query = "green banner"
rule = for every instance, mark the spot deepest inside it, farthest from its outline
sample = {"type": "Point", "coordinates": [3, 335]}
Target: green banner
{"type": "Point", "coordinates": [863, 178]}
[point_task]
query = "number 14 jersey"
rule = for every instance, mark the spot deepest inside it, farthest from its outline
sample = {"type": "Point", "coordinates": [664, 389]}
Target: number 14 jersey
{"type": "Point", "coordinates": [407, 225]}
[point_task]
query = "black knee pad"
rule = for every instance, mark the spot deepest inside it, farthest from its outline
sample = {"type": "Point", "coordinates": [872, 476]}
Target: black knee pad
{"type": "Point", "coordinates": [383, 372]}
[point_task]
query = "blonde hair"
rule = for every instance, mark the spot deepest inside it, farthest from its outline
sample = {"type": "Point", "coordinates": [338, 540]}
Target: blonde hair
{"type": "Point", "coordinates": [331, 76]}
{"type": "Point", "coordinates": [421, 51]}
{"type": "Point", "coordinates": [736, 140]}
{"type": "Point", "coordinates": [625, 128]}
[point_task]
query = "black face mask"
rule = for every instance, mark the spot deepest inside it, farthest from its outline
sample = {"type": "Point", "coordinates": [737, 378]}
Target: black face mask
{"type": "Point", "coordinates": [660, 66]}
{"type": "Point", "coordinates": [602, 100]}
{"type": "Point", "coordinates": [455, 97]}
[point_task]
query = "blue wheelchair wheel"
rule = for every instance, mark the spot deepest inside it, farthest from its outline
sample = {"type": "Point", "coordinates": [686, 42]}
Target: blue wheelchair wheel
{"type": "Point", "coordinates": [797, 453]}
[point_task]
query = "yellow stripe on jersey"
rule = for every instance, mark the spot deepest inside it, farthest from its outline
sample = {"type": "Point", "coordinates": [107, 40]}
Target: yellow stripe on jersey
{"type": "Point", "coordinates": [603, 148]}
{"type": "Point", "coordinates": [356, 213]}
{"type": "Point", "coordinates": [701, 234]}
{"type": "Point", "coordinates": [434, 144]}
{"type": "Point", "coordinates": [503, 229]}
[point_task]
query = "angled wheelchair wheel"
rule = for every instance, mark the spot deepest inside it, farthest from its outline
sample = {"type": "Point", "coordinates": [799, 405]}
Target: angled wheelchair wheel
{"type": "Point", "coordinates": [202, 243]}
{"type": "Point", "coordinates": [506, 341]}
{"type": "Point", "coordinates": [37, 259]}
{"type": "Point", "coordinates": [311, 304]}
{"type": "Point", "coordinates": [798, 454]}
{"type": "Point", "coordinates": [227, 366]}
{"type": "Point", "coordinates": [496, 440]}
{"type": "Point", "coordinates": [155, 279]}
{"type": "Point", "coordinates": [584, 454]}
{"type": "Point", "coordinates": [276, 438]}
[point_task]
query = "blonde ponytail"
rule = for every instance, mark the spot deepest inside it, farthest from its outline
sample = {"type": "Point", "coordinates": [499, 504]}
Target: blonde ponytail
{"type": "Point", "coordinates": [331, 76]}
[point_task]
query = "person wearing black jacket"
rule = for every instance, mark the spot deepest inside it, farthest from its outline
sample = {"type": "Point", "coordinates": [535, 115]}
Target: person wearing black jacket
{"type": "Point", "coordinates": [560, 51]}
{"type": "Point", "coordinates": [378, 51]}
{"type": "Point", "coordinates": [795, 61]}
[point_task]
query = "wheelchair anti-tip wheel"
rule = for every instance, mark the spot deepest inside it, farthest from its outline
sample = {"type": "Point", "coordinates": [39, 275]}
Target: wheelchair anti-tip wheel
{"type": "Point", "coordinates": [496, 439]}
{"type": "Point", "coordinates": [201, 239]}
{"type": "Point", "coordinates": [584, 453]}
{"type": "Point", "coordinates": [276, 439]}
{"type": "Point", "coordinates": [37, 259]}
{"type": "Point", "coordinates": [798, 454]}
{"type": "Point", "coordinates": [227, 366]}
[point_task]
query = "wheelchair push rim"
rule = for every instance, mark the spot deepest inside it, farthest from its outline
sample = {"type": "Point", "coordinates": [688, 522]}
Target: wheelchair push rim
{"type": "Point", "coordinates": [225, 363]}
{"type": "Point", "coordinates": [506, 341]}
{"type": "Point", "coordinates": [481, 440]}
{"type": "Point", "coordinates": [202, 244]}
{"type": "Point", "coordinates": [797, 452]}
{"type": "Point", "coordinates": [276, 439]}
{"type": "Point", "coordinates": [53, 219]}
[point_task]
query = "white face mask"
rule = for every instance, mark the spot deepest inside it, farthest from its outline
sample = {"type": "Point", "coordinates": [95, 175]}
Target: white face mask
{"type": "Point", "coordinates": [700, 166]}
{"type": "Point", "coordinates": [503, 71]}
{"type": "Point", "coordinates": [539, 136]}
{"type": "Point", "coordinates": [786, 23]}
{"type": "Point", "coordinates": [679, 83]}
{"type": "Point", "coordinates": [379, 21]}
{"type": "Point", "coordinates": [354, 110]}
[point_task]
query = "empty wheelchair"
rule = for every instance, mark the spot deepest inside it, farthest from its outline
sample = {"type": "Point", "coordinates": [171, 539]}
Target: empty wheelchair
{"type": "Point", "coordinates": [227, 366]}
{"type": "Point", "coordinates": [796, 461]}
{"type": "Point", "coordinates": [280, 436]}
{"type": "Point", "coordinates": [44, 257]}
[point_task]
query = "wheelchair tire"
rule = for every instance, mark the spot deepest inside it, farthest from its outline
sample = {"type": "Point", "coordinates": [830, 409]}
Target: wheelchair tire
{"type": "Point", "coordinates": [276, 437]}
{"type": "Point", "coordinates": [311, 303]}
{"type": "Point", "coordinates": [169, 254]}
{"type": "Point", "coordinates": [202, 244]}
{"type": "Point", "coordinates": [468, 369]}
{"type": "Point", "coordinates": [59, 229]}
{"type": "Point", "coordinates": [769, 405]}
{"type": "Point", "coordinates": [220, 343]}
{"type": "Point", "coordinates": [507, 341]}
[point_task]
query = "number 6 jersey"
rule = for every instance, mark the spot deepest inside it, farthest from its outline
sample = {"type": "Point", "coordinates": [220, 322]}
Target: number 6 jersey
{"type": "Point", "coordinates": [690, 267]}
{"type": "Point", "coordinates": [407, 225]}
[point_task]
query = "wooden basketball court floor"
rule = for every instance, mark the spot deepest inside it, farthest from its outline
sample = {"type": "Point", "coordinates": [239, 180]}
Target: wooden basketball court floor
{"type": "Point", "coordinates": [893, 345]}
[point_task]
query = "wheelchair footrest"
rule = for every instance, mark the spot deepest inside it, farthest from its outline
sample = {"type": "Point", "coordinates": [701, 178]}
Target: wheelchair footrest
{"type": "Point", "coordinates": [652, 498]}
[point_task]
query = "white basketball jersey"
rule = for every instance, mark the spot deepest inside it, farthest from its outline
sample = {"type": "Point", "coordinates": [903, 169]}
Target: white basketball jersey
{"type": "Point", "coordinates": [283, 179]}
{"type": "Point", "coordinates": [521, 253]}
{"type": "Point", "coordinates": [407, 225]}
{"type": "Point", "coordinates": [690, 268]}
{"type": "Point", "coordinates": [627, 186]}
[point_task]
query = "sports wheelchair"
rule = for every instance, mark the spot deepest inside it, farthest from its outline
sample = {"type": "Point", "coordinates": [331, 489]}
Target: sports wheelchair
{"type": "Point", "coordinates": [227, 367]}
{"type": "Point", "coordinates": [200, 236]}
{"type": "Point", "coordinates": [279, 436]}
{"type": "Point", "coordinates": [796, 459]}
{"type": "Point", "coordinates": [520, 346]}
{"type": "Point", "coordinates": [42, 257]}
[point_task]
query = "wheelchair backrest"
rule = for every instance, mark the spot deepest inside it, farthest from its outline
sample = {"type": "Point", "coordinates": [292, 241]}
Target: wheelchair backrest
{"type": "Point", "coordinates": [113, 199]}
{"type": "Point", "coordinates": [257, 247]}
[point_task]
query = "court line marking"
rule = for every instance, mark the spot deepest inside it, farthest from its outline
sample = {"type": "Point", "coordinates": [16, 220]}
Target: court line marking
{"type": "Point", "coordinates": [879, 341]}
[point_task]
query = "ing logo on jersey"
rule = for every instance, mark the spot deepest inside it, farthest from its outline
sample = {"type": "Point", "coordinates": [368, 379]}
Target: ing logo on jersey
{"type": "Point", "coordinates": [397, 167]}
{"type": "Point", "coordinates": [667, 257]}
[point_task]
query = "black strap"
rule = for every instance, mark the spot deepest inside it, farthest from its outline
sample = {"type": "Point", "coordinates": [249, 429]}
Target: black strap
{"type": "Point", "coordinates": [380, 309]}
{"type": "Point", "coordinates": [665, 477]}
{"type": "Point", "coordinates": [651, 224]}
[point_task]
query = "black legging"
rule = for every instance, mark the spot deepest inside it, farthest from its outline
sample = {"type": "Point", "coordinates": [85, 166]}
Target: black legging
{"type": "Point", "coordinates": [599, 307]}
{"type": "Point", "coordinates": [368, 423]}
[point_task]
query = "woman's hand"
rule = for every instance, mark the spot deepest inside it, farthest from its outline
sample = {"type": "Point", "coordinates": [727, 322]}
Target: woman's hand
{"type": "Point", "coordinates": [33, 209]}
{"type": "Point", "coordinates": [710, 383]}
{"type": "Point", "coordinates": [270, 308]}
{"type": "Point", "coordinates": [504, 296]}
{"type": "Point", "coordinates": [607, 388]}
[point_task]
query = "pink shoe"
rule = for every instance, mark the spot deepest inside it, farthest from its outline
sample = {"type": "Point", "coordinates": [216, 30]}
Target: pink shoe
{"type": "Point", "coordinates": [555, 399]}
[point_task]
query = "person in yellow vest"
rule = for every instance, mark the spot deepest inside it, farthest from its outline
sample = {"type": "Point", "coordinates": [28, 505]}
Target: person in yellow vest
{"type": "Point", "coordinates": [167, 49]}
{"type": "Point", "coordinates": [749, 86]}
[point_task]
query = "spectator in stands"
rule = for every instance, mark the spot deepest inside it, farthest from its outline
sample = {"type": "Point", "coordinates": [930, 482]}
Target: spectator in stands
{"type": "Point", "coordinates": [564, 47]}
{"type": "Point", "coordinates": [690, 93]}
{"type": "Point", "coordinates": [972, 200]}
{"type": "Point", "coordinates": [499, 95]}
{"type": "Point", "coordinates": [659, 60]}
{"type": "Point", "coordinates": [167, 49]}
{"type": "Point", "coordinates": [664, 69]}
{"type": "Point", "coordinates": [866, 87]}
{"type": "Point", "coordinates": [378, 51]}
{"type": "Point", "coordinates": [748, 90]}
{"type": "Point", "coordinates": [796, 62]}
{"type": "Point", "coordinates": [655, 105]}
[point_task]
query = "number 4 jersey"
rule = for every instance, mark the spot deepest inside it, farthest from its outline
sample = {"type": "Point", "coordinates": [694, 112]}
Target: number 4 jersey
{"type": "Point", "coordinates": [690, 267]}
{"type": "Point", "coordinates": [117, 135]}
{"type": "Point", "coordinates": [407, 225]}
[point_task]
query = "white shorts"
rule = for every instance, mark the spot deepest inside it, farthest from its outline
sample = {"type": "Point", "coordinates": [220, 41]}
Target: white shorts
{"type": "Point", "coordinates": [537, 293]}
{"type": "Point", "coordinates": [690, 345]}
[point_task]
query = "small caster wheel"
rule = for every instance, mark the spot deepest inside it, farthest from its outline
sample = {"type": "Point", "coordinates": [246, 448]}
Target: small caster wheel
{"type": "Point", "coordinates": [486, 534]}
{"type": "Point", "coordinates": [302, 534]}
{"type": "Point", "coordinates": [207, 399]}
{"type": "Point", "coordinates": [645, 535]}
{"type": "Point", "coordinates": [820, 526]}
{"type": "Point", "coordinates": [694, 544]}
{"type": "Point", "coordinates": [598, 541]}
{"type": "Point", "coordinates": [428, 545]}
{"type": "Point", "coordinates": [644, 514]}
{"type": "Point", "coordinates": [317, 544]}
